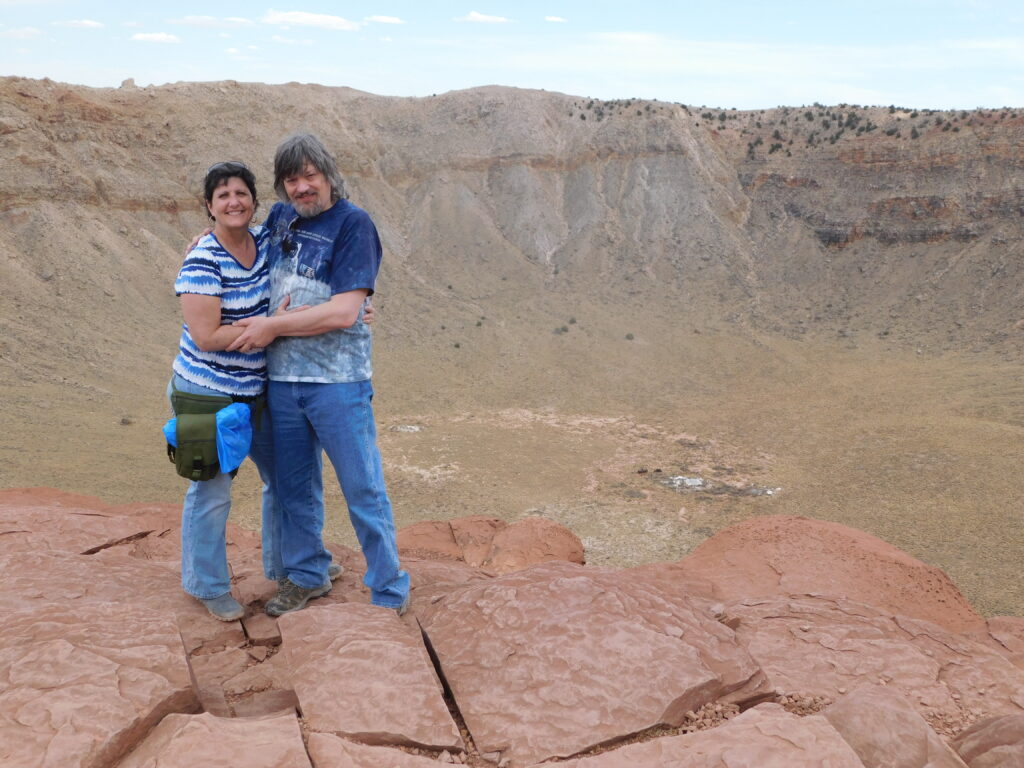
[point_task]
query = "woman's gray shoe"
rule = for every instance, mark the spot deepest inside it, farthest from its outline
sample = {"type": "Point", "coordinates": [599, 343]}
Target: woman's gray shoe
{"type": "Point", "coordinates": [225, 607]}
{"type": "Point", "coordinates": [291, 597]}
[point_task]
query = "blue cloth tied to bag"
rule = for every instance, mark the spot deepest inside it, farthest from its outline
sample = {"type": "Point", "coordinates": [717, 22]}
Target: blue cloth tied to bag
{"type": "Point", "coordinates": [234, 435]}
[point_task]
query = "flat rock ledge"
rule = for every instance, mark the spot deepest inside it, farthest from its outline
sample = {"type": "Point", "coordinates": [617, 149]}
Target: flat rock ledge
{"type": "Point", "coordinates": [513, 654]}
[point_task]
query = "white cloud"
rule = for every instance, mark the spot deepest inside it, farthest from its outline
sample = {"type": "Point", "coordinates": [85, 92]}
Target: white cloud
{"type": "Point", "coordinates": [481, 18]}
{"type": "Point", "coordinates": [558, 19]}
{"type": "Point", "coordinates": [155, 37]}
{"type": "Point", "coordinates": [21, 33]}
{"type": "Point", "coordinates": [231, 50]}
{"type": "Point", "coordinates": [132, 24]}
{"type": "Point", "coordinates": [303, 19]}
{"type": "Point", "coordinates": [385, 19]}
{"type": "Point", "coordinates": [212, 22]}
{"type": "Point", "coordinates": [387, 39]}
{"type": "Point", "coordinates": [290, 41]}
{"type": "Point", "coordinates": [79, 24]}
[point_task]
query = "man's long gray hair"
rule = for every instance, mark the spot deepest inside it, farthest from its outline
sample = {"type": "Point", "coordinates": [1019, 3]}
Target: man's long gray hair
{"type": "Point", "coordinates": [291, 158]}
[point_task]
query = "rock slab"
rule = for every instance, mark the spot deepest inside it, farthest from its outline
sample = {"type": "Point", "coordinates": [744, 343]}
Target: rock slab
{"type": "Point", "coordinates": [763, 737]}
{"type": "Point", "coordinates": [885, 731]}
{"type": "Point", "coordinates": [827, 647]}
{"type": "Point", "coordinates": [360, 671]}
{"type": "Point", "coordinates": [996, 742]}
{"type": "Point", "coordinates": [550, 661]}
{"type": "Point", "coordinates": [186, 741]}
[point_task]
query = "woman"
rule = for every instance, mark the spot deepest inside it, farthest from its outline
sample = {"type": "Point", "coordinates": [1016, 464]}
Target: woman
{"type": "Point", "coordinates": [224, 279]}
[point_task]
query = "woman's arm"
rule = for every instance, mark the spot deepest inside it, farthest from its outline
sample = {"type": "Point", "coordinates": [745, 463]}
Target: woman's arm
{"type": "Point", "coordinates": [202, 316]}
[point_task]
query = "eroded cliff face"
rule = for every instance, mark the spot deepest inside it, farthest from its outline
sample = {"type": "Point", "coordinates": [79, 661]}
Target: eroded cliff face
{"type": "Point", "coordinates": [822, 220]}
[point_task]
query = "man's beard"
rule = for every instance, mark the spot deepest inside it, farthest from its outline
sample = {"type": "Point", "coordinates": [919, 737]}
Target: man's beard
{"type": "Point", "coordinates": [309, 210]}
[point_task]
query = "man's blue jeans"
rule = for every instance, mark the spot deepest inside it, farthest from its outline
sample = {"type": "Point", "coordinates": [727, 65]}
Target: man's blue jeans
{"type": "Point", "coordinates": [204, 515]}
{"type": "Point", "coordinates": [337, 418]}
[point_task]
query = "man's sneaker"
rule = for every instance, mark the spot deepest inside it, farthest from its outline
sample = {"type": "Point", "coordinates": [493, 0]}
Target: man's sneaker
{"type": "Point", "coordinates": [334, 572]}
{"type": "Point", "coordinates": [225, 607]}
{"type": "Point", "coordinates": [291, 597]}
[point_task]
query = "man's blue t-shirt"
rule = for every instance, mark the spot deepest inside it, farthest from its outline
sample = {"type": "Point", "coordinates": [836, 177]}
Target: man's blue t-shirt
{"type": "Point", "coordinates": [312, 260]}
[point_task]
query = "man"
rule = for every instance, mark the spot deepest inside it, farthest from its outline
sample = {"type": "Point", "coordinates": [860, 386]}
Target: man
{"type": "Point", "coordinates": [324, 252]}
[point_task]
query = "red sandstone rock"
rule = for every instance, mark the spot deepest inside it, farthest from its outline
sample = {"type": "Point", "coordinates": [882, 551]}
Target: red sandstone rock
{"type": "Point", "coordinates": [885, 731]}
{"type": "Point", "coordinates": [532, 540]}
{"type": "Point", "coordinates": [81, 683]}
{"type": "Point", "coordinates": [491, 543]}
{"type": "Point", "coordinates": [557, 658]}
{"type": "Point", "coordinates": [827, 647]}
{"type": "Point", "coordinates": [429, 539]}
{"type": "Point", "coordinates": [188, 741]}
{"type": "Point", "coordinates": [359, 670]}
{"type": "Point", "coordinates": [996, 742]}
{"type": "Point", "coordinates": [781, 555]}
{"type": "Point", "coordinates": [1007, 632]}
{"type": "Point", "coordinates": [475, 536]}
{"type": "Point", "coordinates": [763, 737]}
{"type": "Point", "coordinates": [328, 751]}
{"type": "Point", "coordinates": [41, 520]}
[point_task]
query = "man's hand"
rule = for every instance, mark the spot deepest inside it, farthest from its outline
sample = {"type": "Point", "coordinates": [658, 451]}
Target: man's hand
{"type": "Point", "coordinates": [258, 333]}
{"type": "Point", "coordinates": [369, 313]}
{"type": "Point", "coordinates": [195, 241]}
{"type": "Point", "coordinates": [284, 307]}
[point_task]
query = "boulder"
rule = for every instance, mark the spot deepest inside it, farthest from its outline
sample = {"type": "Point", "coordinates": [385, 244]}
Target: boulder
{"type": "Point", "coordinates": [185, 741]}
{"type": "Point", "coordinates": [777, 556]}
{"type": "Point", "coordinates": [763, 737]}
{"type": "Point", "coordinates": [996, 742]}
{"type": "Point", "coordinates": [885, 731]}
{"type": "Point", "coordinates": [360, 671]}
{"type": "Point", "coordinates": [532, 540]}
{"type": "Point", "coordinates": [827, 647]}
{"type": "Point", "coordinates": [557, 658]}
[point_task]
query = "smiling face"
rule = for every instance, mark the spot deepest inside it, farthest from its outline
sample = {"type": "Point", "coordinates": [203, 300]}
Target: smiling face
{"type": "Point", "coordinates": [308, 191]}
{"type": "Point", "coordinates": [231, 204]}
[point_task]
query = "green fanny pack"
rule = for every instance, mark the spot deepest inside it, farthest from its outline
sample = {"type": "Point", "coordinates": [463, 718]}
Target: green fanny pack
{"type": "Point", "coordinates": [195, 455]}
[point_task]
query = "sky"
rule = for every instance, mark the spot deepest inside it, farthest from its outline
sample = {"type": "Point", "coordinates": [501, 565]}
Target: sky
{"type": "Point", "coordinates": [941, 54]}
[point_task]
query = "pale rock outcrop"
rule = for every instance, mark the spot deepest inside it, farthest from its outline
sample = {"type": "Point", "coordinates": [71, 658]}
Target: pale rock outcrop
{"type": "Point", "coordinates": [995, 742]}
{"type": "Point", "coordinates": [780, 555]}
{"type": "Point", "coordinates": [358, 670]}
{"type": "Point", "coordinates": [885, 731]}
{"type": "Point", "coordinates": [557, 658]}
{"type": "Point", "coordinates": [763, 737]}
{"type": "Point", "coordinates": [826, 647]}
{"type": "Point", "coordinates": [188, 741]}
{"type": "Point", "coordinates": [329, 751]}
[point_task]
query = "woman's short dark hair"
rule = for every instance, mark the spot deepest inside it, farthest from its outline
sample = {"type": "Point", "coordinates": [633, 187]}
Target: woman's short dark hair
{"type": "Point", "coordinates": [221, 172]}
{"type": "Point", "coordinates": [291, 158]}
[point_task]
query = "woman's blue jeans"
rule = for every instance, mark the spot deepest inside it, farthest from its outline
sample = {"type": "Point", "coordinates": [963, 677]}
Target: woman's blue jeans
{"type": "Point", "coordinates": [337, 419]}
{"type": "Point", "coordinates": [204, 516]}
